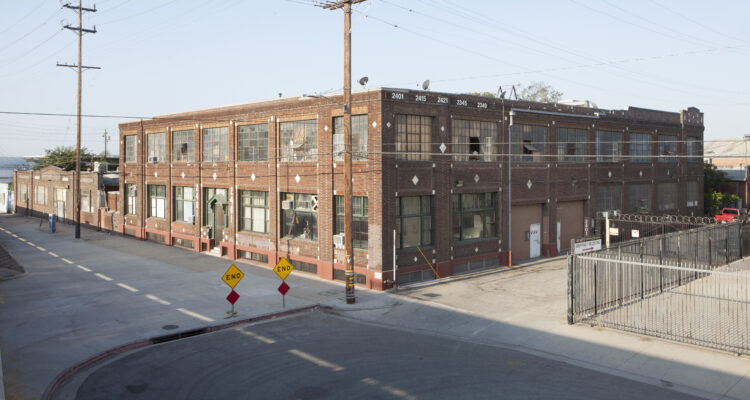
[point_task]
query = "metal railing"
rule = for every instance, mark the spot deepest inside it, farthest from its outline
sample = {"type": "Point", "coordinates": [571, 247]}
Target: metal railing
{"type": "Point", "coordinates": [676, 286]}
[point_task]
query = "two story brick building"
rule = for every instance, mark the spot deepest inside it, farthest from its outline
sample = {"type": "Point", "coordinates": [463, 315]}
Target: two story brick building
{"type": "Point", "coordinates": [461, 181]}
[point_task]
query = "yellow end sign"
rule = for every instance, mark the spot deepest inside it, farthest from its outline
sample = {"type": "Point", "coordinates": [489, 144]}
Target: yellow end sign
{"type": "Point", "coordinates": [232, 276]}
{"type": "Point", "coordinates": [283, 268]}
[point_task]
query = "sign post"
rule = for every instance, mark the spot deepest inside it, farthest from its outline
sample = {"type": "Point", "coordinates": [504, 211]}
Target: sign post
{"type": "Point", "coordinates": [283, 268]}
{"type": "Point", "coordinates": [232, 277]}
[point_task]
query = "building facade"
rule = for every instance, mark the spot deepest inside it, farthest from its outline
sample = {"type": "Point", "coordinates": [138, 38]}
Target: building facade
{"type": "Point", "coordinates": [432, 177]}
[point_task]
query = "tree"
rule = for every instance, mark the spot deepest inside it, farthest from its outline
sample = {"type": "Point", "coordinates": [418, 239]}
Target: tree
{"type": "Point", "coordinates": [713, 198]}
{"type": "Point", "coordinates": [64, 157]}
{"type": "Point", "coordinates": [540, 92]}
{"type": "Point", "coordinates": [483, 94]}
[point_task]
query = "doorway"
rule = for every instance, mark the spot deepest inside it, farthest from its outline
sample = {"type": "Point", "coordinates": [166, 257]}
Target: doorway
{"type": "Point", "coordinates": [535, 240]}
{"type": "Point", "coordinates": [216, 213]}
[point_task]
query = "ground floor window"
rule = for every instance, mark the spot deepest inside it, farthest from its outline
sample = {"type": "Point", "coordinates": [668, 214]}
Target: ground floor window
{"type": "Point", "coordinates": [608, 198]}
{"type": "Point", "coordinates": [474, 216]}
{"type": "Point", "coordinates": [85, 201]}
{"type": "Point", "coordinates": [183, 204]}
{"type": "Point", "coordinates": [157, 198]}
{"type": "Point", "coordinates": [692, 194]}
{"type": "Point", "coordinates": [359, 220]}
{"type": "Point", "coordinates": [299, 213]}
{"type": "Point", "coordinates": [666, 194]}
{"type": "Point", "coordinates": [249, 255]}
{"type": "Point", "coordinates": [639, 198]}
{"type": "Point", "coordinates": [254, 214]}
{"type": "Point", "coordinates": [414, 221]}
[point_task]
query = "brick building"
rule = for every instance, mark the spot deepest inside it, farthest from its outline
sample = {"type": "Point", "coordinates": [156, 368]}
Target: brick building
{"type": "Point", "coordinates": [50, 191]}
{"type": "Point", "coordinates": [259, 181]}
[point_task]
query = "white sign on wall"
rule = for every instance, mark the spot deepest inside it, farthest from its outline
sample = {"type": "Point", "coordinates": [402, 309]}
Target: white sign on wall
{"type": "Point", "coordinates": [635, 233]}
{"type": "Point", "coordinates": [588, 246]}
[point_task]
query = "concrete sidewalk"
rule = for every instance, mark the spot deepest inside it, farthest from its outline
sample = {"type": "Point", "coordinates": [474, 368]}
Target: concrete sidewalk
{"type": "Point", "coordinates": [523, 308]}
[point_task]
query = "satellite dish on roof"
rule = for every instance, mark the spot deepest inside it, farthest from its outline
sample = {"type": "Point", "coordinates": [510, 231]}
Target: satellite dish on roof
{"type": "Point", "coordinates": [426, 85]}
{"type": "Point", "coordinates": [363, 80]}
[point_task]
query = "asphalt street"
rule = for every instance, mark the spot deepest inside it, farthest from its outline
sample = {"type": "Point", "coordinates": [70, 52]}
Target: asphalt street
{"type": "Point", "coordinates": [314, 355]}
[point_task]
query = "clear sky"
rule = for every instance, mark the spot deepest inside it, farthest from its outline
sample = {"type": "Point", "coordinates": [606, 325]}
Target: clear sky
{"type": "Point", "coordinates": [165, 56]}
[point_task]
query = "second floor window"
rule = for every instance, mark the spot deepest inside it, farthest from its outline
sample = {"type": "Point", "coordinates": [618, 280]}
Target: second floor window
{"type": "Point", "coordinates": [183, 147]}
{"type": "Point", "coordinates": [473, 140]}
{"type": "Point", "coordinates": [359, 220]}
{"type": "Point", "coordinates": [571, 144]}
{"type": "Point", "coordinates": [528, 142]}
{"type": "Point", "coordinates": [413, 137]}
{"type": "Point", "coordinates": [667, 148]}
{"type": "Point", "coordinates": [299, 140]}
{"type": "Point", "coordinates": [359, 138]}
{"type": "Point", "coordinates": [157, 198]}
{"type": "Point", "coordinates": [156, 150]}
{"type": "Point", "coordinates": [693, 149]}
{"type": "Point", "coordinates": [252, 142]}
{"type": "Point", "coordinates": [640, 147]}
{"type": "Point", "coordinates": [131, 146]}
{"type": "Point", "coordinates": [216, 144]}
{"type": "Point", "coordinates": [608, 146]}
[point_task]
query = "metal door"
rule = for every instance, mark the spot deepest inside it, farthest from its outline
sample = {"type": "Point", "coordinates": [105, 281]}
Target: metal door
{"type": "Point", "coordinates": [535, 240]}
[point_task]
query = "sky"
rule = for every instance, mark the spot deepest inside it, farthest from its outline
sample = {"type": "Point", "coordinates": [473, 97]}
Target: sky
{"type": "Point", "coordinates": [165, 56]}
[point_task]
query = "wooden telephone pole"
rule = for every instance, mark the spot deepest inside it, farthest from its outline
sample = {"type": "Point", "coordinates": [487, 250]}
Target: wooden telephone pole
{"type": "Point", "coordinates": [348, 246]}
{"type": "Point", "coordinates": [77, 181]}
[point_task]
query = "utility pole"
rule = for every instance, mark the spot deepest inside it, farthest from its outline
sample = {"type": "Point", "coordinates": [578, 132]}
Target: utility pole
{"type": "Point", "coordinates": [348, 246]}
{"type": "Point", "coordinates": [77, 181]}
{"type": "Point", "coordinates": [106, 139]}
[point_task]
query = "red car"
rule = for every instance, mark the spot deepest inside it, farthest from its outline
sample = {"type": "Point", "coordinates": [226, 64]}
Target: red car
{"type": "Point", "coordinates": [727, 215]}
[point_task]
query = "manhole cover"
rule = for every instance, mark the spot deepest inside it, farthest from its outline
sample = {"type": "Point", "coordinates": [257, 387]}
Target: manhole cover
{"type": "Point", "coordinates": [169, 327]}
{"type": "Point", "coordinates": [430, 295]}
{"type": "Point", "coordinates": [310, 393]}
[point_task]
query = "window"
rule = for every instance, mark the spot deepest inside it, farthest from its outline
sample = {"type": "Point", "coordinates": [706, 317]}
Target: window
{"type": "Point", "coordinates": [528, 141]}
{"type": "Point", "coordinates": [86, 201]}
{"type": "Point", "coordinates": [299, 140]}
{"type": "Point", "coordinates": [474, 216]}
{"type": "Point", "coordinates": [414, 221]}
{"type": "Point", "coordinates": [215, 144]}
{"type": "Point", "coordinates": [299, 212]}
{"type": "Point", "coordinates": [473, 140]}
{"type": "Point", "coordinates": [608, 146]}
{"type": "Point", "coordinates": [608, 198]}
{"type": "Point", "coordinates": [184, 196]}
{"type": "Point", "coordinates": [131, 146]}
{"type": "Point", "coordinates": [639, 199]}
{"type": "Point", "coordinates": [41, 194]}
{"type": "Point", "coordinates": [667, 148]}
{"type": "Point", "coordinates": [571, 144]}
{"type": "Point", "coordinates": [156, 147]}
{"type": "Point", "coordinates": [413, 137]}
{"type": "Point", "coordinates": [359, 220]}
{"type": "Point", "coordinates": [692, 194]}
{"type": "Point", "coordinates": [694, 149]}
{"type": "Point", "coordinates": [249, 255]}
{"type": "Point", "coordinates": [130, 191]}
{"type": "Point", "coordinates": [252, 142]}
{"type": "Point", "coordinates": [183, 147]}
{"type": "Point", "coordinates": [359, 138]}
{"type": "Point", "coordinates": [254, 214]}
{"type": "Point", "coordinates": [640, 147]}
{"type": "Point", "coordinates": [666, 194]}
{"type": "Point", "coordinates": [24, 192]}
{"type": "Point", "coordinates": [157, 197]}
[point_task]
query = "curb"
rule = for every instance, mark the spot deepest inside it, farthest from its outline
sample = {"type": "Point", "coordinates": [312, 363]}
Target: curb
{"type": "Point", "coordinates": [66, 374]}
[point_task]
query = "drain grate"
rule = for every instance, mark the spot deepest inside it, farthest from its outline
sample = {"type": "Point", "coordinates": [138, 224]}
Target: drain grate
{"type": "Point", "coordinates": [430, 295]}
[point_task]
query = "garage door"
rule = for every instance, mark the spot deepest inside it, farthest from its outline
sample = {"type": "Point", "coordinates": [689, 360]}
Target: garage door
{"type": "Point", "coordinates": [570, 222]}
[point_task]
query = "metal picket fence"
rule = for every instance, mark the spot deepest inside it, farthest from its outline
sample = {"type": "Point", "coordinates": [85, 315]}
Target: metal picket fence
{"type": "Point", "coordinates": [668, 286]}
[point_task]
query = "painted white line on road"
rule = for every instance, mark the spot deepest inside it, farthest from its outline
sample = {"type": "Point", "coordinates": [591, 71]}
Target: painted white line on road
{"type": "Point", "coordinates": [390, 389]}
{"type": "Point", "coordinates": [31, 244]}
{"type": "Point", "coordinates": [83, 268]}
{"type": "Point", "coordinates": [256, 336]}
{"type": "Point", "coordinates": [52, 254]}
{"type": "Point", "coordinates": [156, 299]}
{"type": "Point", "coordinates": [105, 277]}
{"type": "Point", "coordinates": [195, 315]}
{"type": "Point", "coordinates": [14, 235]}
{"type": "Point", "coordinates": [22, 239]}
{"type": "Point", "coordinates": [67, 261]}
{"type": "Point", "coordinates": [41, 248]}
{"type": "Point", "coordinates": [126, 287]}
{"type": "Point", "coordinates": [315, 360]}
